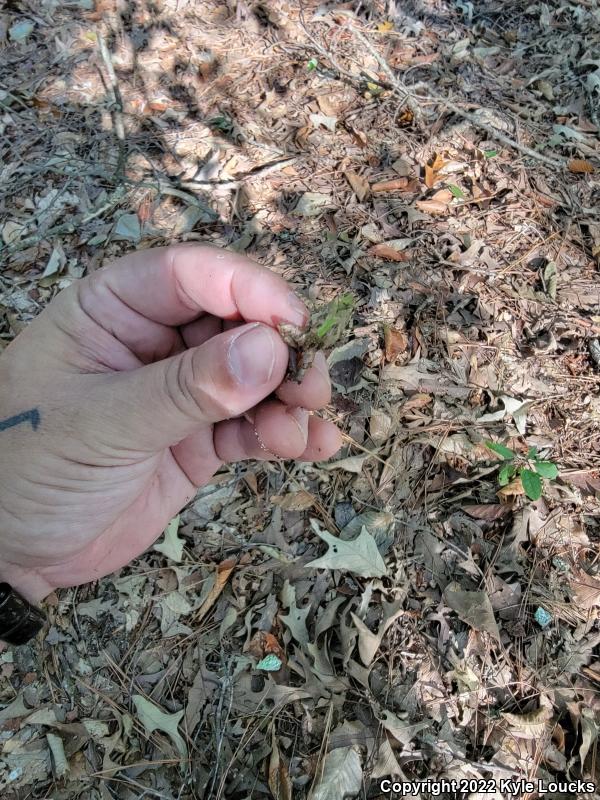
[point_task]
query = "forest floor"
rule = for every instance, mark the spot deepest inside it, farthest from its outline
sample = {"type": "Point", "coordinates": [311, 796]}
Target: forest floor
{"type": "Point", "coordinates": [438, 161]}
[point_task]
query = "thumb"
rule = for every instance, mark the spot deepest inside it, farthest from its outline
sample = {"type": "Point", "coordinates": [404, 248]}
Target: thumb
{"type": "Point", "coordinates": [158, 405]}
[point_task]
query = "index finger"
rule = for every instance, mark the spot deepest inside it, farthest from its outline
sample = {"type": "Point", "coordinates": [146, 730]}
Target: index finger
{"type": "Point", "coordinates": [174, 285]}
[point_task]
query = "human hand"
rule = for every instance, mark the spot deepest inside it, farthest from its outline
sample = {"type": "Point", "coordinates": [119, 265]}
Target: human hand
{"type": "Point", "coordinates": [128, 392]}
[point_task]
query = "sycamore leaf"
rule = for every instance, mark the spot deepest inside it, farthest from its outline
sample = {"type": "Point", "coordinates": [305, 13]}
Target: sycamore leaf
{"type": "Point", "coordinates": [359, 555]}
{"type": "Point", "coordinates": [171, 546]}
{"type": "Point", "coordinates": [154, 718]}
{"type": "Point", "coordinates": [342, 775]}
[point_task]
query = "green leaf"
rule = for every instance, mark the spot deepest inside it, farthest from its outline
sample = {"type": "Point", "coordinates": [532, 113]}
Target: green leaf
{"type": "Point", "coordinates": [532, 453]}
{"type": "Point", "coordinates": [456, 190]}
{"type": "Point", "coordinates": [154, 718]}
{"type": "Point", "coordinates": [312, 64]}
{"type": "Point", "coordinates": [532, 483]}
{"type": "Point", "coordinates": [506, 473]}
{"type": "Point", "coordinates": [490, 153]}
{"type": "Point", "coordinates": [359, 555]}
{"type": "Point", "coordinates": [171, 546]}
{"type": "Point", "coordinates": [500, 449]}
{"type": "Point", "coordinates": [547, 469]}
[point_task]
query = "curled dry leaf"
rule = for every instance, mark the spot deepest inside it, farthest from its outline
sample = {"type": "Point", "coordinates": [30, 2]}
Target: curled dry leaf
{"type": "Point", "coordinates": [294, 501]}
{"type": "Point", "coordinates": [398, 184]}
{"type": "Point", "coordinates": [529, 726]}
{"type": "Point", "coordinates": [433, 207]}
{"type": "Point", "coordinates": [224, 570]}
{"type": "Point", "coordinates": [443, 196]}
{"type": "Point", "coordinates": [417, 401]}
{"type": "Point", "coordinates": [513, 489]}
{"type": "Point", "coordinates": [396, 342]}
{"type": "Point", "coordinates": [433, 166]}
{"type": "Point", "coordinates": [279, 777]}
{"type": "Point", "coordinates": [360, 186]}
{"type": "Point", "coordinates": [488, 513]}
{"type": "Point", "coordinates": [389, 253]}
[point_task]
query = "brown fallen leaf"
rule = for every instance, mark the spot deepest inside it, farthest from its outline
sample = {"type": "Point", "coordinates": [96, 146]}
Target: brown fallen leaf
{"type": "Point", "coordinates": [279, 780]}
{"type": "Point", "coordinates": [586, 589]}
{"type": "Point", "coordinates": [513, 489]}
{"type": "Point", "coordinates": [580, 165]}
{"type": "Point", "coordinates": [390, 186]}
{"type": "Point", "coordinates": [294, 501]}
{"type": "Point", "coordinates": [263, 644]}
{"type": "Point", "coordinates": [360, 186]}
{"type": "Point", "coordinates": [442, 196]}
{"type": "Point", "coordinates": [360, 137]}
{"type": "Point", "coordinates": [432, 167]}
{"type": "Point", "coordinates": [488, 513]}
{"type": "Point", "coordinates": [433, 207]}
{"type": "Point", "coordinates": [396, 342]}
{"type": "Point", "coordinates": [327, 105]}
{"type": "Point", "coordinates": [224, 570]}
{"type": "Point", "coordinates": [388, 253]}
{"type": "Point", "coordinates": [417, 401]}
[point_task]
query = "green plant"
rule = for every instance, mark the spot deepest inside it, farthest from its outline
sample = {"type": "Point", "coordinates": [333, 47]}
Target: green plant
{"type": "Point", "coordinates": [326, 327]}
{"type": "Point", "coordinates": [530, 469]}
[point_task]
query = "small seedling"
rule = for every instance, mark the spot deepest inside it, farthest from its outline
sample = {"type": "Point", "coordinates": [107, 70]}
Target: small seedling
{"type": "Point", "coordinates": [312, 64]}
{"type": "Point", "coordinates": [529, 470]}
{"type": "Point", "coordinates": [326, 327]}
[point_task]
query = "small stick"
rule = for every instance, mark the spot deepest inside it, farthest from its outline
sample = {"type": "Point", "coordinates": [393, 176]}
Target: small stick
{"type": "Point", "coordinates": [489, 129]}
{"type": "Point", "coordinates": [117, 101]}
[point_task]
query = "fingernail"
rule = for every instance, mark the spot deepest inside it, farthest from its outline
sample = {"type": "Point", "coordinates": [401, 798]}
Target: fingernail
{"type": "Point", "coordinates": [251, 356]}
{"type": "Point", "coordinates": [298, 312]}
{"type": "Point", "coordinates": [300, 417]}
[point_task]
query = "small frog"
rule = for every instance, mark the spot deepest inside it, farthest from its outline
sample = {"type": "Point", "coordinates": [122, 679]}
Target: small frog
{"type": "Point", "coordinates": [326, 327]}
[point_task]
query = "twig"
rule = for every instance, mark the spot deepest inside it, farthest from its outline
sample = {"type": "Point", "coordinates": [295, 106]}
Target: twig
{"type": "Point", "coordinates": [117, 102]}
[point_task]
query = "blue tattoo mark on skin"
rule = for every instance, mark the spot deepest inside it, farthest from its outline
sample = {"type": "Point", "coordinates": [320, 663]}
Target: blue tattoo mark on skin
{"type": "Point", "coordinates": [33, 416]}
